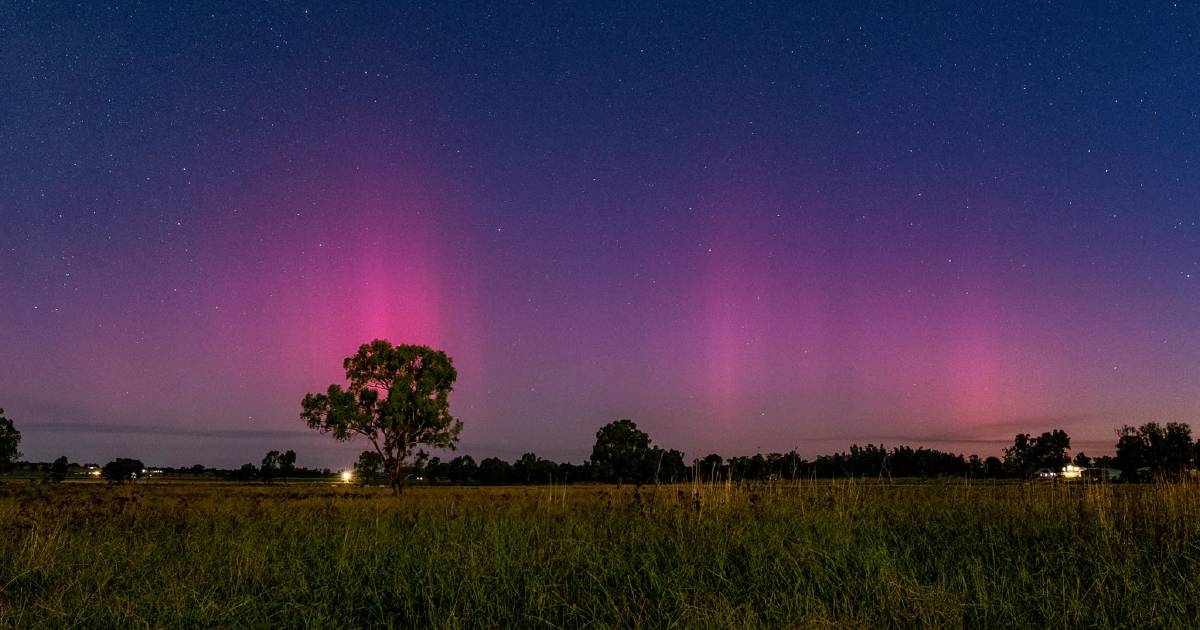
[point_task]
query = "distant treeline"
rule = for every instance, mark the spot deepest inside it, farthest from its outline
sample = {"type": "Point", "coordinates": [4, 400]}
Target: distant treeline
{"type": "Point", "coordinates": [134, 468]}
{"type": "Point", "coordinates": [668, 466]}
{"type": "Point", "coordinates": [625, 454]}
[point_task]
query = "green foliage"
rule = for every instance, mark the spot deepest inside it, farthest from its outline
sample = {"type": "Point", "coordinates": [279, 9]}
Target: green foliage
{"type": "Point", "coordinates": [369, 468]}
{"type": "Point", "coordinates": [10, 439]}
{"type": "Point", "coordinates": [122, 469]}
{"type": "Point", "coordinates": [398, 399]}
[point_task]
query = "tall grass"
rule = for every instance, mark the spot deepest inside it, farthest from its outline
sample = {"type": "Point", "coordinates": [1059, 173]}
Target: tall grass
{"type": "Point", "coordinates": [811, 554]}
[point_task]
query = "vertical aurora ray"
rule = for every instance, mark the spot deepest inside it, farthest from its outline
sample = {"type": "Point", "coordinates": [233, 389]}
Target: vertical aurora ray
{"type": "Point", "coordinates": [762, 226]}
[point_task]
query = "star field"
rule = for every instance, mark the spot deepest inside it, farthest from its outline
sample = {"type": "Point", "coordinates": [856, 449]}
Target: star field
{"type": "Point", "coordinates": [746, 227]}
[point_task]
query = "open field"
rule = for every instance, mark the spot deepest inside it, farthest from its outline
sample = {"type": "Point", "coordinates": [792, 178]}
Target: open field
{"type": "Point", "coordinates": [821, 553]}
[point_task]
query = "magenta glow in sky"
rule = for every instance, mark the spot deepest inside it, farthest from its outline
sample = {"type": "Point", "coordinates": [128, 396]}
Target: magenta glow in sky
{"type": "Point", "coordinates": [747, 230]}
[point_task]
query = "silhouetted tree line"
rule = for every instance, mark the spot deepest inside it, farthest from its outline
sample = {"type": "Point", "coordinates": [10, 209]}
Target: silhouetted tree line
{"type": "Point", "coordinates": [397, 399]}
{"type": "Point", "coordinates": [623, 453]}
{"type": "Point", "coordinates": [652, 465]}
{"type": "Point", "coordinates": [10, 439]}
{"type": "Point", "coordinates": [275, 465]}
{"type": "Point", "coordinates": [1154, 450]}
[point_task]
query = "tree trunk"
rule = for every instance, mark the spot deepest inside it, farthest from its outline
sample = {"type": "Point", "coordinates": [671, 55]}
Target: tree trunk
{"type": "Point", "coordinates": [398, 476]}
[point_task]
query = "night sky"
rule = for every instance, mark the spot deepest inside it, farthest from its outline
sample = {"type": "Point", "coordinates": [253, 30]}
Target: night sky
{"type": "Point", "coordinates": [747, 228]}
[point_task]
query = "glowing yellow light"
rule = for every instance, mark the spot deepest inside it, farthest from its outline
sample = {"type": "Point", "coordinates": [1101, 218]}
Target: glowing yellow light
{"type": "Point", "coordinates": [347, 476]}
{"type": "Point", "coordinates": [1071, 471]}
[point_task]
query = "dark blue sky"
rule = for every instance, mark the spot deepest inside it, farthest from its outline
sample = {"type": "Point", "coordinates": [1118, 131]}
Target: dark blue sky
{"type": "Point", "coordinates": [744, 226]}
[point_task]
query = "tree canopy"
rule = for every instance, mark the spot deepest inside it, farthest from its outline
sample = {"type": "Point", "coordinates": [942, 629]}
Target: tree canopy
{"type": "Point", "coordinates": [59, 469]}
{"type": "Point", "coordinates": [270, 466]}
{"type": "Point", "coordinates": [1028, 453]}
{"type": "Point", "coordinates": [287, 464]}
{"type": "Point", "coordinates": [621, 451]}
{"type": "Point", "coordinates": [1155, 450]}
{"type": "Point", "coordinates": [398, 399]}
{"type": "Point", "coordinates": [10, 439]}
{"type": "Point", "coordinates": [368, 467]}
{"type": "Point", "coordinates": [624, 453]}
{"type": "Point", "coordinates": [122, 469]}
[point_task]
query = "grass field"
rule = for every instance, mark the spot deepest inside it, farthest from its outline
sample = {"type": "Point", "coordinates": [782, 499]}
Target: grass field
{"type": "Point", "coordinates": [814, 554]}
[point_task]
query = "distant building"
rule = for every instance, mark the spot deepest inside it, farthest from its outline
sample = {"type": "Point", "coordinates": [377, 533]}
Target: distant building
{"type": "Point", "coordinates": [1103, 474]}
{"type": "Point", "coordinates": [1071, 471]}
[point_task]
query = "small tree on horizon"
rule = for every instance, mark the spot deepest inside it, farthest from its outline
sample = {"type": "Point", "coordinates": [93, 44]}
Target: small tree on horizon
{"type": "Point", "coordinates": [10, 439]}
{"type": "Point", "coordinates": [58, 470]}
{"type": "Point", "coordinates": [398, 399]}
{"type": "Point", "coordinates": [1161, 450]}
{"type": "Point", "coordinates": [992, 466]}
{"type": "Point", "coordinates": [368, 467]}
{"type": "Point", "coordinates": [494, 471]}
{"type": "Point", "coordinates": [122, 469]}
{"type": "Point", "coordinates": [287, 464]}
{"type": "Point", "coordinates": [710, 467]}
{"type": "Point", "coordinates": [1028, 453]}
{"type": "Point", "coordinates": [247, 472]}
{"type": "Point", "coordinates": [462, 469]}
{"type": "Point", "coordinates": [622, 453]}
{"type": "Point", "coordinates": [270, 466]}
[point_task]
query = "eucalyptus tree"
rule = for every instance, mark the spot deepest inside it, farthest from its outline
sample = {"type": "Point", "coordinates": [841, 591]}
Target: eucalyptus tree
{"type": "Point", "coordinates": [397, 398]}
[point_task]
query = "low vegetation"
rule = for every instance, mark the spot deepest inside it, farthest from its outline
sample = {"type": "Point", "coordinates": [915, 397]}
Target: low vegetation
{"type": "Point", "coordinates": [824, 553]}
